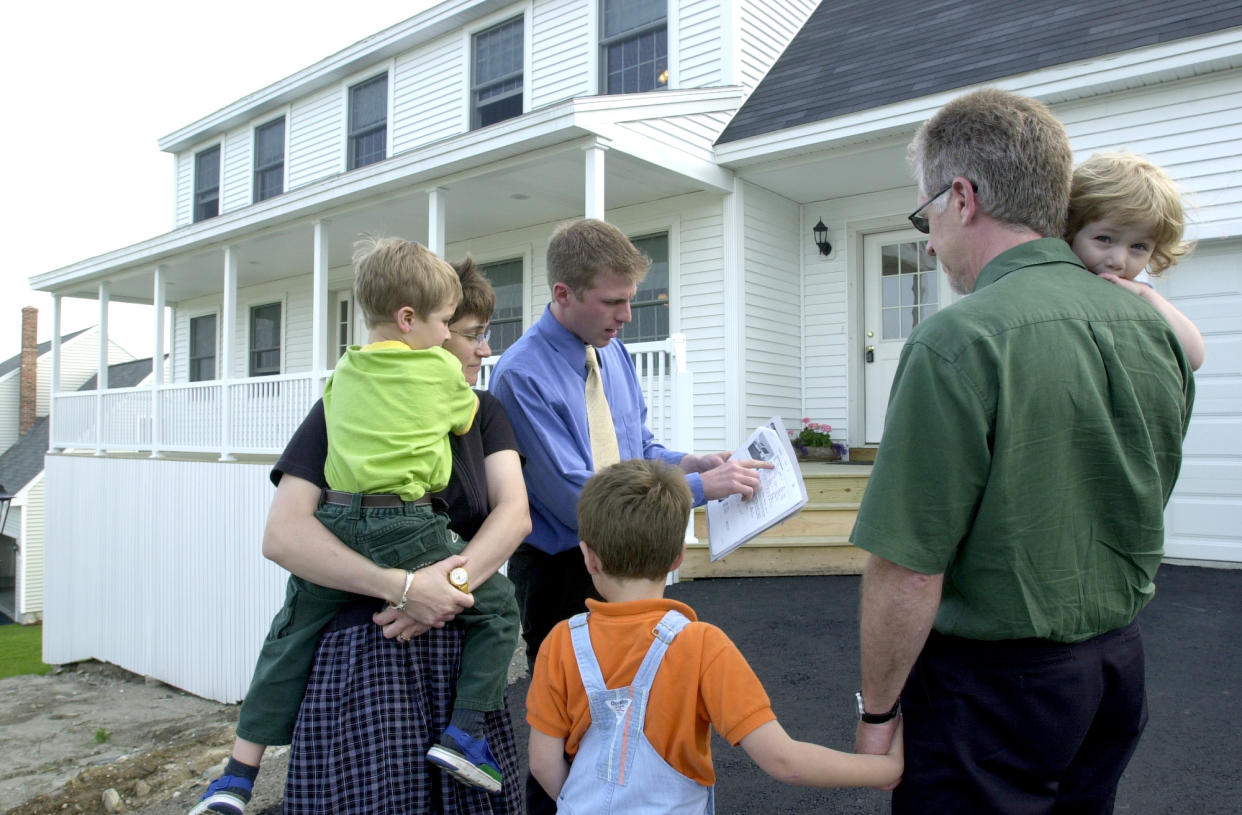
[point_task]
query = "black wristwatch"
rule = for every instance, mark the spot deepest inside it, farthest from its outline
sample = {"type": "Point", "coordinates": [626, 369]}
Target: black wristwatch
{"type": "Point", "coordinates": [876, 718]}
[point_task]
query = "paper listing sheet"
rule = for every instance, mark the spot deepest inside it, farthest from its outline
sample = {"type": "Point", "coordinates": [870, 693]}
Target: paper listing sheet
{"type": "Point", "coordinates": [733, 521]}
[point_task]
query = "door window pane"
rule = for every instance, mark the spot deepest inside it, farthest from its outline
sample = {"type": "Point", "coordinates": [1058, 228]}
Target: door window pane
{"type": "Point", "coordinates": [909, 288]}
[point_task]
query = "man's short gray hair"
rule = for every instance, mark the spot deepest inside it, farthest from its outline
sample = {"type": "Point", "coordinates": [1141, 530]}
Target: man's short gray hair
{"type": "Point", "coordinates": [1013, 149]}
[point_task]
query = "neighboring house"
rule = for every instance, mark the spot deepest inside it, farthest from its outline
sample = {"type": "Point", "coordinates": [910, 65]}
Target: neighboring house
{"type": "Point", "coordinates": [477, 126]}
{"type": "Point", "coordinates": [25, 382]}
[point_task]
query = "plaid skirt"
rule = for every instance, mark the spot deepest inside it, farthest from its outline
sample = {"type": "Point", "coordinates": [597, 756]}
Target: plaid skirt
{"type": "Point", "coordinates": [373, 707]}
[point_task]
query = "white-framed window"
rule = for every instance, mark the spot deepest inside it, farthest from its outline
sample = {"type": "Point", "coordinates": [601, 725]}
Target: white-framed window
{"type": "Point", "coordinates": [269, 159]}
{"type": "Point", "coordinates": [202, 357]}
{"type": "Point", "coordinates": [265, 339]}
{"type": "Point", "coordinates": [207, 183]}
{"type": "Point", "coordinates": [634, 45]}
{"type": "Point", "coordinates": [496, 73]}
{"type": "Point", "coordinates": [649, 309]}
{"type": "Point", "coordinates": [342, 325]}
{"type": "Point", "coordinates": [506, 278]}
{"type": "Point", "coordinates": [368, 121]}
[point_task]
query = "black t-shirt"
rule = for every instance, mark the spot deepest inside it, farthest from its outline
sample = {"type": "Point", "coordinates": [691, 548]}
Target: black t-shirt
{"type": "Point", "coordinates": [466, 493]}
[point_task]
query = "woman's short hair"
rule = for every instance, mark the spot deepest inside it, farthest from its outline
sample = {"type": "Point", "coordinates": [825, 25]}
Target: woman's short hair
{"type": "Point", "coordinates": [392, 273]}
{"type": "Point", "coordinates": [1012, 148]}
{"type": "Point", "coordinates": [478, 298]}
{"type": "Point", "coordinates": [1130, 190]}
{"type": "Point", "coordinates": [580, 250]}
{"type": "Point", "coordinates": [633, 516]}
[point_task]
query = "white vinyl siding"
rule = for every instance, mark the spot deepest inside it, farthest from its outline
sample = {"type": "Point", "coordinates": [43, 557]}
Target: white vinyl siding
{"type": "Point", "coordinates": [562, 45]}
{"type": "Point", "coordinates": [765, 28]}
{"type": "Point", "coordinates": [698, 46]}
{"type": "Point", "coordinates": [30, 582]}
{"type": "Point", "coordinates": [130, 571]}
{"type": "Point", "coordinates": [430, 93]}
{"type": "Point", "coordinates": [693, 134]}
{"type": "Point", "coordinates": [771, 265]}
{"type": "Point", "coordinates": [316, 137]}
{"type": "Point", "coordinates": [1189, 127]}
{"type": "Point", "coordinates": [700, 304]}
{"type": "Point", "coordinates": [236, 173]}
{"type": "Point", "coordinates": [183, 209]}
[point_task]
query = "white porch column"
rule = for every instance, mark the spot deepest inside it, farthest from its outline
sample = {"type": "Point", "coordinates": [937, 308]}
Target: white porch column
{"type": "Point", "coordinates": [319, 299]}
{"type": "Point", "coordinates": [54, 387]}
{"type": "Point", "coordinates": [595, 180]}
{"type": "Point", "coordinates": [101, 377]}
{"type": "Point", "coordinates": [437, 207]}
{"type": "Point", "coordinates": [228, 318]}
{"type": "Point", "coordinates": [733, 289]}
{"type": "Point", "coordinates": [157, 360]}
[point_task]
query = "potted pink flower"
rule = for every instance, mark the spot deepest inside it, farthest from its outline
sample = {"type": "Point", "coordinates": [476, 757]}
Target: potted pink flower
{"type": "Point", "coordinates": [814, 442]}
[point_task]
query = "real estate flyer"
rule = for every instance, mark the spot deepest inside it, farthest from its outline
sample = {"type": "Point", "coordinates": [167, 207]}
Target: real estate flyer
{"type": "Point", "coordinates": [733, 521]}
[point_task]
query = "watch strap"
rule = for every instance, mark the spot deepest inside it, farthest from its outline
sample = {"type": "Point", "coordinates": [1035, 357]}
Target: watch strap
{"type": "Point", "coordinates": [876, 718]}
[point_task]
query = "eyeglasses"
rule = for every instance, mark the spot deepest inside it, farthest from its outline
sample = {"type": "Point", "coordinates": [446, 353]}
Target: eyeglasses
{"type": "Point", "coordinates": [920, 222]}
{"type": "Point", "coordinates": [478, 339]}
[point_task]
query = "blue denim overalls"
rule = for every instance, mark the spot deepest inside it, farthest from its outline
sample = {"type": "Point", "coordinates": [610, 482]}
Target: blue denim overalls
{"type": "Point", "coordinates": [616, 768]}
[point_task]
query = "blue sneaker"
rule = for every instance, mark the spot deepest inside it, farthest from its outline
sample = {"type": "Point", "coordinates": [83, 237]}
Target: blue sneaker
{"type": "Point", "coordinates": [227, 795]}
{"type": "Point", "coordinates": [467, 759]}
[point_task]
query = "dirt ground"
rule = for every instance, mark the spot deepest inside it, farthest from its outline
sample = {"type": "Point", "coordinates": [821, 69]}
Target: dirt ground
{"type": "Point", "coordinates": [98, 739]}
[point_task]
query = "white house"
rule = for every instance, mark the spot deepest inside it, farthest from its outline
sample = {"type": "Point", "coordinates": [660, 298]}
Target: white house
{"type": "Point", "coordinates": [479, 125]}
{"type": "Point", "coordinates": [25, 382]}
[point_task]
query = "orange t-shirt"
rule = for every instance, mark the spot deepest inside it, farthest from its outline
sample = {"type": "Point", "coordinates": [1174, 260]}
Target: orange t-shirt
{"type": "Point", "coordinates": [703, 681]}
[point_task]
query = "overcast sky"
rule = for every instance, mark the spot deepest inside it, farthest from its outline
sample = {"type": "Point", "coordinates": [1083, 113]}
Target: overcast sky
{"type": "Point", "coordinates": [92, 86]}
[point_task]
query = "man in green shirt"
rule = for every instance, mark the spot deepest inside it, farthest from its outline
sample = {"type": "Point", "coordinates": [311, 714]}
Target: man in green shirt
{"type": "Point", "coordinates": [1015, 513]}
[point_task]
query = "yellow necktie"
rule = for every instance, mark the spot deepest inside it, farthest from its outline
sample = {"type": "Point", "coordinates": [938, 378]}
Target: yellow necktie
{"type": "Point", "coordinates": [599, 418]}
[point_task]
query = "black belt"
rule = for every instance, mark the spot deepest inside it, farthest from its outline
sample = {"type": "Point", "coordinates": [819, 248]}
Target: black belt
{"type": "Point", "coordinates": [378, 500]}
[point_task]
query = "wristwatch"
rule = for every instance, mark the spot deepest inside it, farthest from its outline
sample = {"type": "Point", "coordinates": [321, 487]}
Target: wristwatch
{"type": "Point", "coordinates": [876, 718]}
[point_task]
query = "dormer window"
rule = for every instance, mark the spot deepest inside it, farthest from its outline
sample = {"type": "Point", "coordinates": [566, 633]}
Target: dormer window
{"type": "Point", "coordinates": [207, 183]}
{"type": "Point", "coordinates": [368, 122]}
{"type": "Point", "coordinates": [496, 89]}
{"type": "Point", "coordinates": [635, 45]}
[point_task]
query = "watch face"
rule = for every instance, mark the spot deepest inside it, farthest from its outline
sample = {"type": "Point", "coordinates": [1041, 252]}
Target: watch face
{"type": "Point", "coordinates": [459, 578]}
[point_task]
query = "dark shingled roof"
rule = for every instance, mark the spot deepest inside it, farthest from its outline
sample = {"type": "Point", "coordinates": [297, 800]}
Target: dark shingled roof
{"type": "Point", "coordinates": [12, 363]}
{"type": "Point", "coordinates": [24, 460]}
{"type": "Point", "coordinates": [857, 54]}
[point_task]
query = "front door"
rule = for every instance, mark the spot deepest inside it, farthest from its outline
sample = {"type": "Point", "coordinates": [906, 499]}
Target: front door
{"type": "Point", "coordinates": [901, 286]}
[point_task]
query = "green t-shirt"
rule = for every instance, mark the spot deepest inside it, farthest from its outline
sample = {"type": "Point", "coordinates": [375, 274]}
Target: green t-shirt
{"type": "Point", "coordinates": [389, 410]}
{"type": "Point", "coordinates": [1032, 440]}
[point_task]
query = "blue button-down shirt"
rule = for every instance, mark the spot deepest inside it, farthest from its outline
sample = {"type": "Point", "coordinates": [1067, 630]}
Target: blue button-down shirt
{"type": "Point", "coordinates": [541, 381]}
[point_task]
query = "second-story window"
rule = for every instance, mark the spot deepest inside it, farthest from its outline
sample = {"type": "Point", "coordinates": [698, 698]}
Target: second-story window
{"type": "Point", "coordinates": [265, 340]}
{"type": "Point", "coordinates": [207, 183]}
{"type": "Point", "coordinates": [368, 122]}
{"type": "Point", "coordinates": [635, 45]}
{"type": "Point", "coordinates": [506, 279]}
{"type": "Point", "coordinates": [497, 86]}
{"type": "Point", "coordinates": [203, 348]}
{"type": "Point", "coordinates": [269, 159]}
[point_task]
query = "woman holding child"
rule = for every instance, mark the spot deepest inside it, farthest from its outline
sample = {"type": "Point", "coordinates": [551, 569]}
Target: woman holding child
{"type": "Point", "coordinates": [381, 689]}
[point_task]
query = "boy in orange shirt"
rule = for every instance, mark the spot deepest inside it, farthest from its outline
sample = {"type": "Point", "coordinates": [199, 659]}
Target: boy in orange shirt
{"type": "Point", "coordinates": [644, 745]}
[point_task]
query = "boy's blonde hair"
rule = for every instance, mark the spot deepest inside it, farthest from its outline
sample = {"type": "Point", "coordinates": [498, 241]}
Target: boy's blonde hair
{"type": "Point", "coordinates": [391, 273]}
{"type": "Point", "coordinates": [633, 516]}
{"type": "Point", "coordinates": [579, 250]}
{"type": "Point", "coordinates": [1129, 190]}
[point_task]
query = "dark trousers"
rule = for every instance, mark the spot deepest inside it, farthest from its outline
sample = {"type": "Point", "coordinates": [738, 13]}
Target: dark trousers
{"type": "Point", "coordinates": [549, 588]}
{"type": "Point", "coordinates": [1021, 727]}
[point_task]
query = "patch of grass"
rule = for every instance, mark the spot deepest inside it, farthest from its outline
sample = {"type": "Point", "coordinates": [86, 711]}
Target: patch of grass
{"type": "Point", "coordinates": [21, 650]}
{"type": "Point", "coordinates": [102, 735]}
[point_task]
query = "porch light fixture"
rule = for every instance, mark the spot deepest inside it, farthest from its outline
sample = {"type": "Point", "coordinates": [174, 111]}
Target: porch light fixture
{"type": "Point", "coordinates": [821, 238]}
{"type": "Point", "coordinates": [5, 501]}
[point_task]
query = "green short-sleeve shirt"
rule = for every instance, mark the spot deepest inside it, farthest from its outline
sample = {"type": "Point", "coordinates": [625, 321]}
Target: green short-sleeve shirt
{"type": "Point", "coordinates": [1032, 440]}
{"type": "Point", "coordinates": [389, 411]}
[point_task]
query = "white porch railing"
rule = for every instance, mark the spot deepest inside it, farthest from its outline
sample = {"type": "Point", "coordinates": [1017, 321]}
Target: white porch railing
{"type": "Point", "coordinates": [263, 412]}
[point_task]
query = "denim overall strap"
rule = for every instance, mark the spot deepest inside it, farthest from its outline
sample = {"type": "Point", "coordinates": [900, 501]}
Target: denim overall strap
{"type": "Point", "coordinates": [618, 715]}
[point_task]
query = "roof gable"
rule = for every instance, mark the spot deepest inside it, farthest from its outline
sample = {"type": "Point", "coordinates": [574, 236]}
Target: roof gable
{"type": "Point", "coordinates": [855, 55]}
{"type": "Point", "coordinates": [15, 362]}
{"type": "Point", "coordinates": [24, 460]}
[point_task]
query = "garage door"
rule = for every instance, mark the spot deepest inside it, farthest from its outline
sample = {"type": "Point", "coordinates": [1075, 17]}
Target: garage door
{"type": "Point", "coordinates": [1204, 517]}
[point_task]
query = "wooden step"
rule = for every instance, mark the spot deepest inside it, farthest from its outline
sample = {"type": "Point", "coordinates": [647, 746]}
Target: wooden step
{"type": "Point", "coordinates": [815, 541]}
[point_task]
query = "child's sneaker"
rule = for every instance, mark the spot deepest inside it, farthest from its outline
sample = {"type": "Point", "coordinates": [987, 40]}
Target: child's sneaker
{"type": "Point", "coordinates": [228, 794]}
{"type": "Point", "coordinates": [468, 759]}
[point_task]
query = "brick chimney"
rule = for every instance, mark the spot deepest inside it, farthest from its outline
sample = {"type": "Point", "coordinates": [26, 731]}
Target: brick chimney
{"type": "Point", "coordinates": [29, 385]}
